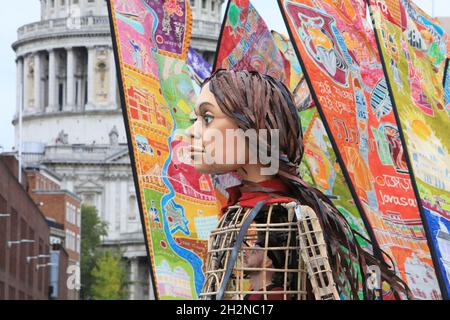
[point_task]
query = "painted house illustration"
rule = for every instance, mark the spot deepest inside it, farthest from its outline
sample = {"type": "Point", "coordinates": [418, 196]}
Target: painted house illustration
{"type": "Point", "coordinates": [173, 283]}
{"type": "Point", "coordinates": [204, 184]}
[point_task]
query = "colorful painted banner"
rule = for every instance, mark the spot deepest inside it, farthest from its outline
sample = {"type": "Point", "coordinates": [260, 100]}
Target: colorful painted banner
{"type": "Point", "coordinates": [247, 44]}
{"type": "Point", "coordinates": [321, 170]}
{"type": "Point", "coordinates": [178, 205]}
{"type": "Point", "coordinates": [296, 78]}
{"type": "Point", "coordinates": [297, 83]}
{"type": "Point", "coordinates": [200, 69]}
{"type": "Point", "coordinates": [319, 166]}
{"type": "Point", "coordinates": [414, 49]}
{"type": "Point", "coordinates": [337, 48]}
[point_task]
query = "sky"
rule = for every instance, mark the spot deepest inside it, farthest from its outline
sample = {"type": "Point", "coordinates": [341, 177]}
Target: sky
{"type": "Point", "coordinates": [30, 12]}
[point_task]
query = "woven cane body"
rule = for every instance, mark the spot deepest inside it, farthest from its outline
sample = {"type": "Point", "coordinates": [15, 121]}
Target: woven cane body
{"type": "Point", "coordinates": [287, 232]}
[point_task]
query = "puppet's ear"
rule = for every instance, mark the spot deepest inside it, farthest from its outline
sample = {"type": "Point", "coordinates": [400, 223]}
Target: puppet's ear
{"type": "Point", "coordinates": [269, 263]}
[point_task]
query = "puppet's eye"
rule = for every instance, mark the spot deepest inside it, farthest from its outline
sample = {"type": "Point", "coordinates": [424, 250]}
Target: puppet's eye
{"type": "Point", "coordinates": [192, 120]}
{"type": "Point", "coordinates": [208, 118]}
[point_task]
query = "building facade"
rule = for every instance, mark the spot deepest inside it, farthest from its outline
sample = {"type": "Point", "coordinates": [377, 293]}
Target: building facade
{"type": "Point", "coordinates": [24, 233]}
{"type": "Point", "coordinates": [72, 121]}
{"type": "Point", "coordinates": [63, 213]}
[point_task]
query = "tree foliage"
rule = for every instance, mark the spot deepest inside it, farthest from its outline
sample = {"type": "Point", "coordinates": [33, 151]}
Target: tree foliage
{"type": "Point", "coordinates": [109, 278]}
{"type": "Point", "coordinates": [92, 229]}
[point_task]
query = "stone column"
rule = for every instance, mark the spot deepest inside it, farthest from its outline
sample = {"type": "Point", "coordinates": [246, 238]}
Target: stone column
{"type": "Point", "coordinates": [198, 7]}
{"type": "Point", "coordinates": [90, 78]}
{"type": "Point", "coordinates": [37, 82]}
{"type": "Point", "coordinates": [112, 80]}
{"type": "Point", "coordinates": [43, 9]}
{"type": "Point", "coordinates": [70, 105]}
{"type": "Point", "coordinates": [26, 85]}
{"type": "Point", "coordinates": [19, 79]}
{"type": "Point", "coordinates": [52, 90]}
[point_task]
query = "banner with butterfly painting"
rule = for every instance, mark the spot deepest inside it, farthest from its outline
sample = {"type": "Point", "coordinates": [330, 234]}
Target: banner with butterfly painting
{"type": "Point", "coordinates": [414, 49]}
{"type": "Point", "coordinates": [338, 51]}
{"type": "Point", "coordinates": [157, 71]}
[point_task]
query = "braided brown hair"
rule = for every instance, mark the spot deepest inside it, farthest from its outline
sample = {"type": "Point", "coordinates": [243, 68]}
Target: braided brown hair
{"type": "Point", "coordinates": [259, 101]}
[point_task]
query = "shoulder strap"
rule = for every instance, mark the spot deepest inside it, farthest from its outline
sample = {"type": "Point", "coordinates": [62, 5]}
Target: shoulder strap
{"type": "Point", "coordinates": [237, 247]}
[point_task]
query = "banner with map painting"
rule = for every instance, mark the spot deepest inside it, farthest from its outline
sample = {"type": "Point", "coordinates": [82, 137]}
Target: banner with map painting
{"type": "Point", "coordinates": [338, 52]}
{"type": "Point", "coordinates": [247, 44]}
{"type": "Point", "coordinates": [178, 205]}
{"type": "Point", "coordinates": [414, 49]}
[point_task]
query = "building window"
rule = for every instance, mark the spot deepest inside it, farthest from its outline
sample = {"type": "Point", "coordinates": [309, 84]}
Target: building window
{"type": "Point", "coordinates": [192, 3]}
{"type": "Point", "coordinates": [132, 208]}
{"type": "Point", "coordinates": [60, 96]}
{"type": "Point", "coordinates": [71, 241]}
{"type": "Point", "coordinates": [68, 218]}
{"type": "Point", "coordinates": [71, 213]}
{"type": "Point", "coordinates": [204, 4]}
{"type": "Point", "coordinates": [78, 243]}
{"type": "Point", "coordinates": [213, 6]}
{"type": "Point", "coordinates": [74, 214]}
{"type": "Point", "coordinates": [78, 218]}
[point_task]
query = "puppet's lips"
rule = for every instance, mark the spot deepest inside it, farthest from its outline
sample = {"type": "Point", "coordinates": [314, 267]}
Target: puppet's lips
{"type": "Point", "coordinates": [195, 152]}
{"type": "Point", "coordinates": [196, 149]}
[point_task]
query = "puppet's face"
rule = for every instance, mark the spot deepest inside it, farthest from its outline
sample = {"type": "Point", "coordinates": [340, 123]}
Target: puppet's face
{"type": "Point", "coordinates": [214, 148]}
{"type": "Point", "coordinates": [254, 258]}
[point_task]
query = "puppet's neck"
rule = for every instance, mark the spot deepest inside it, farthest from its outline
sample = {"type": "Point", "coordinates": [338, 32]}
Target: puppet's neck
{"type": "Point", "coordinates": [253, 173]}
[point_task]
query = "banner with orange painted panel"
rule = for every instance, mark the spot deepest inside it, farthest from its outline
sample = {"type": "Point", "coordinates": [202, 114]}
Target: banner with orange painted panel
{"type": "Point", "coordinates": [319, 166]}
{"type": "Point", "coordinates": [338, 51]}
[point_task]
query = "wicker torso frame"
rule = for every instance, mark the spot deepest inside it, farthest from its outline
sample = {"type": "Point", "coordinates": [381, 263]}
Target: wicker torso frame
{"type": "Point", "coordinates": [299, 241]}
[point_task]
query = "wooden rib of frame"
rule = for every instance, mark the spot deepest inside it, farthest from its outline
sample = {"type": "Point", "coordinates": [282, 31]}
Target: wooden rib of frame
{"type": "Point", "coordinates": [312, 264]}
